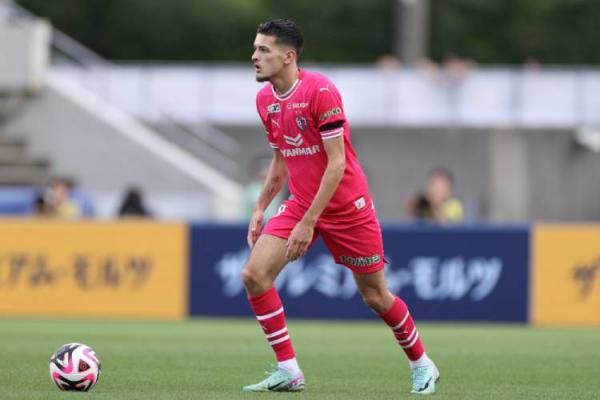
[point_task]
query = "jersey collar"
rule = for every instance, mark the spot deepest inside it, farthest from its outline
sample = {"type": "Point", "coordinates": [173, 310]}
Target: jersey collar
{"type": "Point", "coordinates": [291, 90]}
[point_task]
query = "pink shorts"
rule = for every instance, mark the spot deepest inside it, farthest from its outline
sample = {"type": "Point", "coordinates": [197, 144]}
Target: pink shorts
{"type": "Point", "coordinates": [352, 237]}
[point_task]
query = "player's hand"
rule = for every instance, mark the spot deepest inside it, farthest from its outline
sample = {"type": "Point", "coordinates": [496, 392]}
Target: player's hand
{"type": "Point", "coordinates": [299, 240]}
{"type": "Point", "coordinates": [255, 227]}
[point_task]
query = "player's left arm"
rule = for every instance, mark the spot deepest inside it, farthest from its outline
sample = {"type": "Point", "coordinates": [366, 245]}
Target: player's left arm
{"type": "Point", "coordinates": [301, 236]}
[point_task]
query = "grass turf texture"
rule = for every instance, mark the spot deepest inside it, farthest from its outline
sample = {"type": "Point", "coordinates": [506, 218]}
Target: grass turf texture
{"type": "Point", "coordinates": [213, 359]}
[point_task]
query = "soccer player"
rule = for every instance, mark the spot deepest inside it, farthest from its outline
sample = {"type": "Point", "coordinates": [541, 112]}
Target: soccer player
{"type": "Point", "coordinates": [304, 119]}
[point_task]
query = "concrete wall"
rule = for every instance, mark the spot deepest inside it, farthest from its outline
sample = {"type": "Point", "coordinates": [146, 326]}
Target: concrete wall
{"type": "Point", "coordinates": [502, 175]}
{"type": "Point", "coordinates": [508, 184]}
{"type": "Point", "coordinates": [397, 161]}
{"type": "Point", "coordinates": [543, 175]}
{"type": "Point", "coordinates": [564, 179]}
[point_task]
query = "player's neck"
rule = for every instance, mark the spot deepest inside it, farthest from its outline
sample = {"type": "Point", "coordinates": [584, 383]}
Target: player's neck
{"type": "Point", "coordinates": [283, 82]}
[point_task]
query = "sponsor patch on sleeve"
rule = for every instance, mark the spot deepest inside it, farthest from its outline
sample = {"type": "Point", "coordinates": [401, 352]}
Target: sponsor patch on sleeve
{"type": "Point", "coordinates": [330, 113]}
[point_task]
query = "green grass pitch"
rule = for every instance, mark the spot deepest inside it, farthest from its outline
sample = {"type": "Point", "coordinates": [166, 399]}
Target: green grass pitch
{"type": "Point", "coordinates": [214, 358]}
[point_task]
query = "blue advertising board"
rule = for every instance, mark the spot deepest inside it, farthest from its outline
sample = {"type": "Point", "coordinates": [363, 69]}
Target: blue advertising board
{"type": "Point", "coordinates": [451, 274]}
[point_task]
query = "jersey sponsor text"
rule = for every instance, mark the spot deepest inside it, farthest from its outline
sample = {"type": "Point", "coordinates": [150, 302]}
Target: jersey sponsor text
{"type": "Point", "coordinates": [303, 151]}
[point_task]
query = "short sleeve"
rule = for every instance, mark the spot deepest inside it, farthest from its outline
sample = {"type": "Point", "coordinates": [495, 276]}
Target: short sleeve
{"type": "Point", "coordinates": [328, 109]}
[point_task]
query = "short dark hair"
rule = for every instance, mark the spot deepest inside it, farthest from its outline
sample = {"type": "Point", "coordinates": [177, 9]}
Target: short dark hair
{"type": "Point", "coordinates": [286, 31]}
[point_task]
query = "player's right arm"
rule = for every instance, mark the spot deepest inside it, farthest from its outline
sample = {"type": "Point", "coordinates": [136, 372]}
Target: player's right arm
{"type": "Point", "coordinates": [276, 177]}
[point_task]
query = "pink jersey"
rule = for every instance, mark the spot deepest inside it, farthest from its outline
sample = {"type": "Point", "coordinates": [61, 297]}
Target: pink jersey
{"type": "Point", "coordinates": [292, 122]}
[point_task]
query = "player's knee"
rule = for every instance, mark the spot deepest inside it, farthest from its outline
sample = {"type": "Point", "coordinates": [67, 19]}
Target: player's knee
{"type": "Point", "coordinates": [252, 278]}
{"type": "Point", "coordinates": [374, 299]}
{"type": "Point", "coordinates": [248, 277]}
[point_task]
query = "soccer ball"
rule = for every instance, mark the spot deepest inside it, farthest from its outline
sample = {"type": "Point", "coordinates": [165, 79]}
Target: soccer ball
{"type": "Point", "coordinates": [75, 367]}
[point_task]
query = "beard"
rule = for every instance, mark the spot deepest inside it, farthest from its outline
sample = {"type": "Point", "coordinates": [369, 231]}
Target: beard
{"type": "Point", "coordinates": [262, 78]}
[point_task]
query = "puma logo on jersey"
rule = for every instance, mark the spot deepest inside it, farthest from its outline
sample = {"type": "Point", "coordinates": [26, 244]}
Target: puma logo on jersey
{"type": "Point", "coordinates": [294, 141]}
{"type": "Point", "coordinates": [280, 211]}
{"type": "Point", "coordinates": [360, 203]}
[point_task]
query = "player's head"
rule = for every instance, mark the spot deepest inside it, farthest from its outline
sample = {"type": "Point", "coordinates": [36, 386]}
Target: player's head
{"type": "Point", "coordinates": [440, 185]}
{"type": "Point", "coordinates": [60, 189]}
{"type": "Point", "coordinates": [278, 45]}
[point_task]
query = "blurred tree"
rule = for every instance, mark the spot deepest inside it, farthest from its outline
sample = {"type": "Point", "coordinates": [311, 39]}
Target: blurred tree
{"type": "Point", "coordinates": [348, 30]}
{"type": "Point", "coordinates": [511, 31]}
{"type": "Point", "coordinates": [490, 31]}
{"type": "Point", "coordinates": [339, 31]}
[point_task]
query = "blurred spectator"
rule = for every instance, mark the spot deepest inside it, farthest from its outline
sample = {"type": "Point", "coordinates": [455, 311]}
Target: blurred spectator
{"type": "Point", "coordinates": [133, 205]}
{"type": "Point", "coordinates": [388, 62]}
{"type": "Point", "coordinates": [457, 68]}
{"type": "Point", "coordinates": [260, 166]}
{"type": "Point", "coordinates": [532, 64]}
{"type": "Point", "coordinates": [428, 66]}
{"type": "Point", "coordinates": [56, 201]}
{"type": "Point", "coordinates": [437, 203]}
{"type": "Point", "coordinates": [40, 206]}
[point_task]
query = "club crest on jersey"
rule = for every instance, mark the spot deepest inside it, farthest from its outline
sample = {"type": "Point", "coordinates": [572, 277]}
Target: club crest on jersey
{"type": "Point", "coordinates": [301, 123]}
{"type": "Point", "coordinates": [273, 108]}
{"type": "Point", "coordinates": [294, 141]}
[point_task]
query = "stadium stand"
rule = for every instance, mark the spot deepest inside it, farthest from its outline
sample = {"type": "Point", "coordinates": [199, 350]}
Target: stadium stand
{"type": "Point", "coordinates": [17, 167]}
{"type": "Point", "coordinates": [486, 128]}
{"type": "Point", "coordinates": [511, 135]}
{"type": "Point", "coordinates": [102, 147]}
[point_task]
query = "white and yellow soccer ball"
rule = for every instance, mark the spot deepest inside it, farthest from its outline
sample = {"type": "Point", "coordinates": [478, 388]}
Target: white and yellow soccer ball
{"type": "Point", "coordinates": [75, 367]}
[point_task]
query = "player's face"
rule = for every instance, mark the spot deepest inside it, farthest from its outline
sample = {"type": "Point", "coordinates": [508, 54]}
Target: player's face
{"type": "Point", "coordinates": [269, 58]}
{"type": "Point", "coordinates": [439, 189]}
